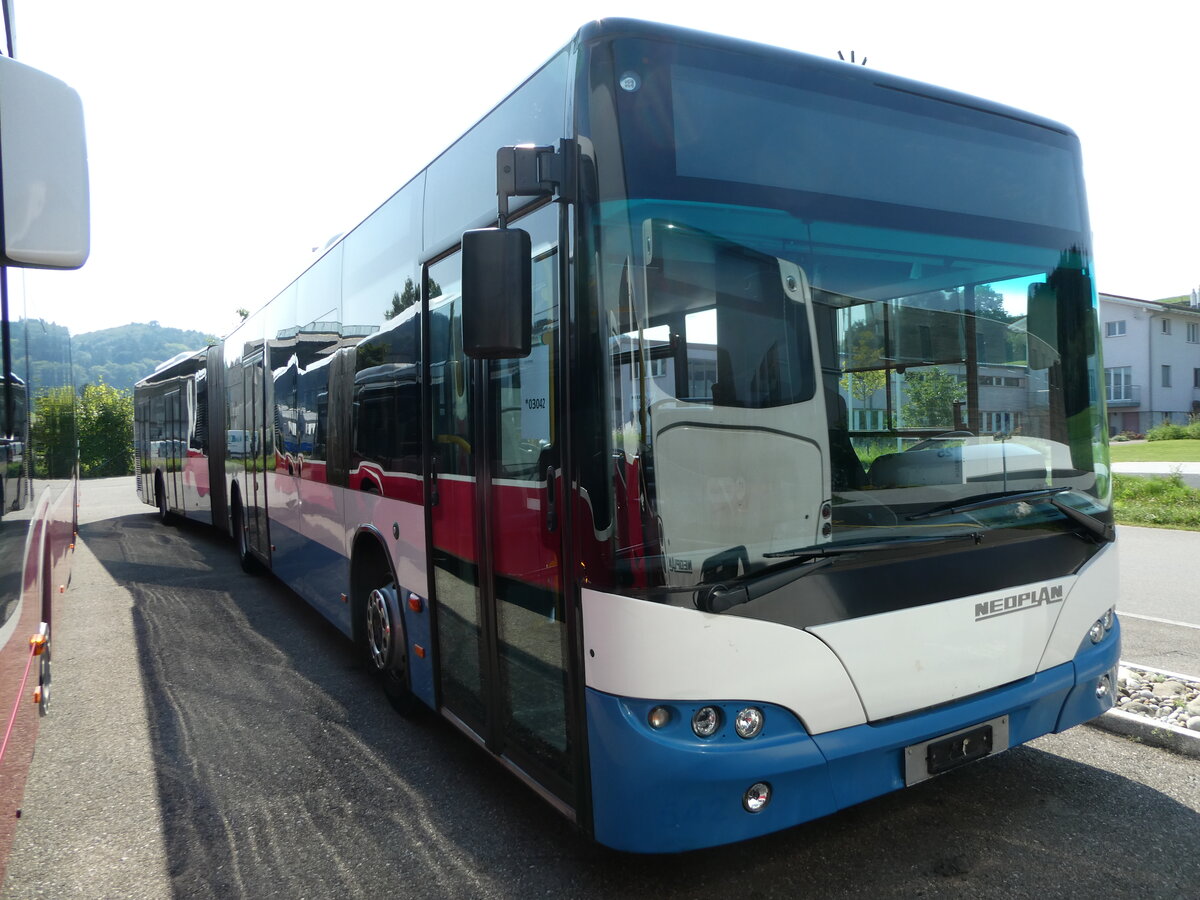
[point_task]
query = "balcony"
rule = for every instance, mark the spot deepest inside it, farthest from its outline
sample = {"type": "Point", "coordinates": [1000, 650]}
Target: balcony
{"type": "Point", "coordinates": [1124, 395]}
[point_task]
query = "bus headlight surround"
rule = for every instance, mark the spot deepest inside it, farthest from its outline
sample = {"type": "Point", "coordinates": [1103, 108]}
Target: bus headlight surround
{"type": "Point", "coordinates": [705, 721]}
{"type": "Point", "coordinates": [749, 722]}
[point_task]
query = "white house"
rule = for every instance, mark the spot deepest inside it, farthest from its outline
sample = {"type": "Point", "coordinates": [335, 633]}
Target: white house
{"type": "Point", "coordinates": [1151, 361]}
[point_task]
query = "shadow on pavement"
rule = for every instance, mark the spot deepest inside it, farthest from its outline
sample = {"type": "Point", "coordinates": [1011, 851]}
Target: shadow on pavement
{"type": "Point", "coordinates": [282, 772]}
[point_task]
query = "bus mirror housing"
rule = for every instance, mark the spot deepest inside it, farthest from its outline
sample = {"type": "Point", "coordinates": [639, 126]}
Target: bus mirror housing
{"type": "Point", "coordinates": [497, 293]}
{"type": "Point", "coordinates": [43, 157]}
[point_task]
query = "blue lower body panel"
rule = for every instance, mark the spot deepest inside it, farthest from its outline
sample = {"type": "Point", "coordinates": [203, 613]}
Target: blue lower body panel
{"type": "Point", "coordinates": [663, 791]}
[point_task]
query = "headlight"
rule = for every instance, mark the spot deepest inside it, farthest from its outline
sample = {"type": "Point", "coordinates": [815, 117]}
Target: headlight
{"type": "Point", "coordinates": [757, 796]}
{"type": "Point", "coordinates": [749, 722]}
{"type": "Point", "coordinates": [1097, 631]}
{"type": "Point", "coordinates": [706, 721]}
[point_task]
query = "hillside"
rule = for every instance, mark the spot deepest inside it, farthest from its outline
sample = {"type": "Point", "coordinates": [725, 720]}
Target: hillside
{"type": "Point", "coordinates": [121, 356]}
{"type": "Point", "coordinates": [117, 356]}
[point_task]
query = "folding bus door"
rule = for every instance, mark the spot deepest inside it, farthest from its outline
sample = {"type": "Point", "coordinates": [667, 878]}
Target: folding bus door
{"type": "Point", "coordinates": [257, 453]}
{"type": "Point", "coordinates": [496, 529]}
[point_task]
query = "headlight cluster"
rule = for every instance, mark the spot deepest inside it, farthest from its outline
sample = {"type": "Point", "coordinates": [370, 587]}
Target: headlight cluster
{"type": "Point", "coordinates": [707, 721]}
{"type": "Point", "coordinates": [1102, 626]}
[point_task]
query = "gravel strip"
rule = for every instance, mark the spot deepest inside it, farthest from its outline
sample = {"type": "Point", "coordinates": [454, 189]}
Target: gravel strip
{"type": "Point", "coordinates": [1164, 698]}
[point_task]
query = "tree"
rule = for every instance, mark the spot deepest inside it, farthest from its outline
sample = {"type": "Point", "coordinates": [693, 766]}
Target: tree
{"type": "Point", "coordinates": [863, 353]}
{"type": "Point", "coordinates": [105, 421]}
{"type": "Point", "coordinates": [52, 433]}
{"type": "Point", "coordinates": [930, 397]}
{"type": "Point", "coordinates": [402, 301]}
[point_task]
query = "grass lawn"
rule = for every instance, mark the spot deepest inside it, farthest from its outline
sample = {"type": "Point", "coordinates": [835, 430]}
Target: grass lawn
{"type": "Point", "coordinates": [1161, 502]}
{"type": "Point", "coordinates": [1156, 451]}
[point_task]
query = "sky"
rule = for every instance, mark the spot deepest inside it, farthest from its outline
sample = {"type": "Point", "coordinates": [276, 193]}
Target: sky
{"type": "Point", "coordinates": [227, 140]}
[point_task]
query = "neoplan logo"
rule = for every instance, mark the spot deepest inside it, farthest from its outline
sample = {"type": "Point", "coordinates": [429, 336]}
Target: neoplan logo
{"type": "Point", "coordinates": [1013, 603]}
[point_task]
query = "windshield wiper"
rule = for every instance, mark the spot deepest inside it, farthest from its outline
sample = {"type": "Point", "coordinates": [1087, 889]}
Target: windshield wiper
{"type": "Point", "coordinates": [724, 595]}
{"type": "Point", "coordinates": [1105, 531]}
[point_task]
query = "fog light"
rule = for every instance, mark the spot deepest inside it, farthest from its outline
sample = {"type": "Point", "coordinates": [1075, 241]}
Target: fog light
{"type": "Point", "coordinates": [756, 797]}
{"type": "Point", "coordinates": [749, 722]}
{"type": "Point", "coordinates": [1096, 632]}
{"type": "Point", "coordinates": [1109, 618]}
{"type": "Point", "coordinates": [659, 717]}
{"type": "Point", "coordinates": [706, 721]}
{"type": "Point", "coordinates": [1103, 686]}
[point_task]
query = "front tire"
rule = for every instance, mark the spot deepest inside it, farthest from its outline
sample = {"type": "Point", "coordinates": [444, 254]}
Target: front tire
{"type": "Point", "coordinates": [385, 645]}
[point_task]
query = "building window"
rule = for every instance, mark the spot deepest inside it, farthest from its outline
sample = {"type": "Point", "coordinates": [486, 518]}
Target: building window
{"type": "Point", "coordinates": [1114, 329]}
{"type": "Point", "coordinates": [1166, 326]}
{"type": "Point", "coordinates": [1118, 383]}
{"type": "Point", "coordinates": [1193, 333]}
{"type": "Point", "coordinates": [1001, 422]}
{"type": "Point", "coordinates": [1196, 378]}
{"type": "Point", "coordinates": [1166, 376]}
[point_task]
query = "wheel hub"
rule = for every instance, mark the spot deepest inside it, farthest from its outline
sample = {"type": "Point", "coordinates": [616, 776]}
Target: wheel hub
{"type": "Point", "coordinates": [380, 627]}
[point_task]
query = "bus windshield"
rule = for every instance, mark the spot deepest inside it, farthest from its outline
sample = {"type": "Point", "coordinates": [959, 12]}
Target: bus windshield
{"type": "Point", "coordinates": [838, 313]}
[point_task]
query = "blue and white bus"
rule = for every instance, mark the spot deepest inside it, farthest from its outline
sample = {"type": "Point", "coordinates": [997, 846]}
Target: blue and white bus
{"type": "Point", "coordinates": [754, 465]}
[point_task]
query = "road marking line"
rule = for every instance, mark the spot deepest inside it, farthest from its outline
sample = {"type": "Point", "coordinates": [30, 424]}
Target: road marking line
{"type": "Point", "coordinates": [1128, 615]}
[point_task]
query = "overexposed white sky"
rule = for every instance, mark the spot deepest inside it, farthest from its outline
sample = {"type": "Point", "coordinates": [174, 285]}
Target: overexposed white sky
{"type": "Point", "coordinates": [227, 139]}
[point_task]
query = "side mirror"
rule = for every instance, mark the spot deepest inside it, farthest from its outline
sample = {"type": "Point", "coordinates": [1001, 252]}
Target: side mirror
{"type": "Point", "coordinates": [497, 293]}
{"type": "Point", "coordinates": [43, 157]}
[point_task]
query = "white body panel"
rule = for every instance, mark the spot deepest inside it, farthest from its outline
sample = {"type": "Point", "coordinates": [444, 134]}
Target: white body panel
{"type": "Point", "coordinates": [845, 673]}
{"type": "Point", "coordinates": [1095, 593]}
{"type": "Point", "coordinates": [408, 551]}
{"type": "Point", "coordinates": [634, 648]}
{"type": "Point", "coordinates": [915, 658]}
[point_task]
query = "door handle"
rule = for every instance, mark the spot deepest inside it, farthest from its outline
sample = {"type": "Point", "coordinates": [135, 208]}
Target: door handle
{"type": "Point", "coordinates": [551, 499]}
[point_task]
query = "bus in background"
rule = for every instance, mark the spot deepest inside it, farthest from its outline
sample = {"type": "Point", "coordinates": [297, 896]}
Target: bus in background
{"type": "Point", "coordinates": [744, 462]}
{"type": "Point", "coordinates": [44, 202]}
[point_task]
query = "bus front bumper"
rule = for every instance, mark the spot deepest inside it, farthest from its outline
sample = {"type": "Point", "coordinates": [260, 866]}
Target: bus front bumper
{"type": "Point", "coordinates": [665, 790]}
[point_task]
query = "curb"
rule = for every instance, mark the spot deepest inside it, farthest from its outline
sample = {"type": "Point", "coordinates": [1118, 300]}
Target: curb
{"type": "Point", "coordinates": [1155, 734]}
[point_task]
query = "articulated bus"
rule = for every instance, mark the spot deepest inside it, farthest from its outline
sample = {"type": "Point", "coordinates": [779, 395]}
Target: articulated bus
{"type": "Point", "coordinates": [43, 225]}
{"type": "Point", "coordinates": [712, 434]}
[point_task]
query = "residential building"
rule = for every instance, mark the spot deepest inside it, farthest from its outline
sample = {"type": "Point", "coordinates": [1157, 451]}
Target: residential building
{"type": "Point", "coordinates": [1151, 361]}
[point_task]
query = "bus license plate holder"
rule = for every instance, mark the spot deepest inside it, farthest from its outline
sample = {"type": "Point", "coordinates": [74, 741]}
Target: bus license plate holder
{"type": "Point", "coordinates": [949, 751]}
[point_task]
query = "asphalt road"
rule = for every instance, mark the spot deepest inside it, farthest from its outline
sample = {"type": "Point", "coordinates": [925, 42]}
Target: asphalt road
{"type": "Point", "coordinates": [1160, 598]}
{"type": "Point", "coordinates": [212, 737]}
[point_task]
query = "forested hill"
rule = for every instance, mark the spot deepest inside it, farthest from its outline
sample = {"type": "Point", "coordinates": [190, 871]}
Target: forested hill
{"type": "Point", "coordinates": [124, 355]}
{"type": "Point", "coordinates": [118, 356]}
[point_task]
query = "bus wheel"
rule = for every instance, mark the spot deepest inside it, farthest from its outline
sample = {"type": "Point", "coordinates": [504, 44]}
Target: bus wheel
{"type": "Point", "coordinates": [160, 491]}
{"type": "Point", "coordinates": [242, 540]}
{"type": "Point", "coordinates": [43, 688]}
{"type": "Point", "coordinates": [387, 659]}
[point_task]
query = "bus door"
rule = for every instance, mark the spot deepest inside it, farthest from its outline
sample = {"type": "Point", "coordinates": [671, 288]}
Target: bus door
{"type": "Point", "coordinates": [172, 449]}
{"type": "Point", "coordinates": [254, 453]}
{"type": "Point", "coordinates": [495, 519]}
